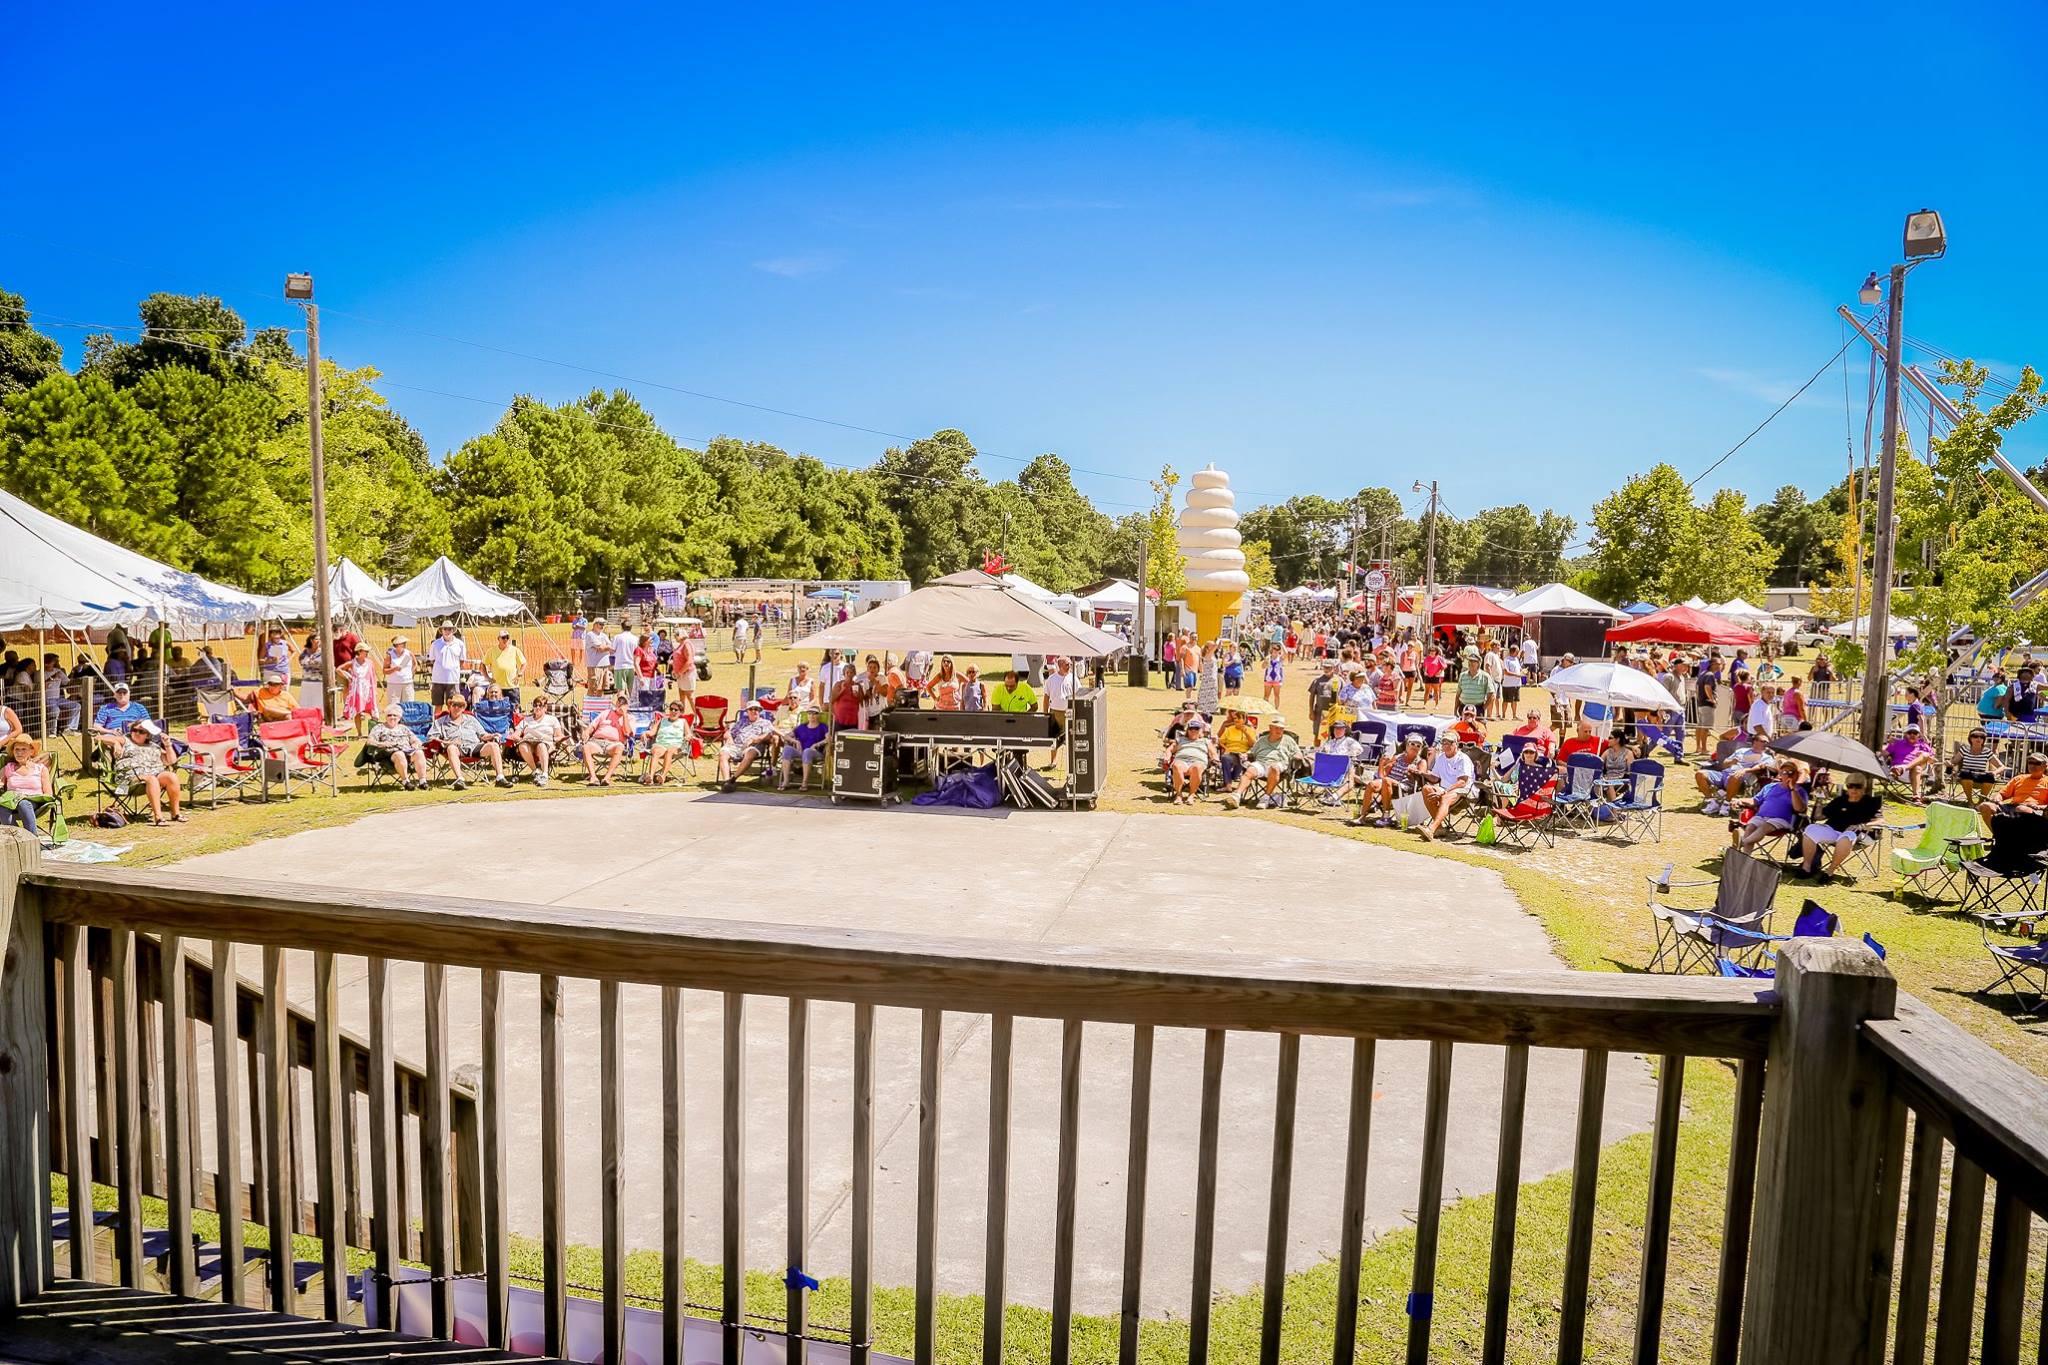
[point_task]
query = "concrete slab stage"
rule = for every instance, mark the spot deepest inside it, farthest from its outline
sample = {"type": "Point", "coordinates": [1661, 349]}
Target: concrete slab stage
{"type": "Point", "coordinates": [1152, 881]}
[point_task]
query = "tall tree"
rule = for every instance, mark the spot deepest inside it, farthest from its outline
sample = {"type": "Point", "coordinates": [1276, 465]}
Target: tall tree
{"type": "Point", "coordinates": [1166, 568]}
{"type": "Point", "coordinates": [27, 357]}
{"type": "Point", "coordinates": [1720, 554]}
{"type": "Point", "coordinates": [941, 502]}
{"type": "Point", "coordinates": [1637, 531]}
{"type": "Point", "coordinates": [1513, 547]}
{"type": "Point", "coordinates": [1076, 533]}
{"type": "Point", "coordinates": [197, 331]}
{"type": "Point", "coordinates": [1803, 532]}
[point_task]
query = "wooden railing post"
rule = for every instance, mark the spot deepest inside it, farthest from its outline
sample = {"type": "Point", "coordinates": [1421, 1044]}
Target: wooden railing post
{"type": "Point", "coordinates": [1820, 1162]}
{"type": "Point", "coordinates": [24, 1081]}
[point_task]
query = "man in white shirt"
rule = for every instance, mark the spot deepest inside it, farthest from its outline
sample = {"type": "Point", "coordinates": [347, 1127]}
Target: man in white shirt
{"type": "Point", "coordinates": [742, 632]}
{"type": "Point", "coordinates": [445, 653]}
{"type": "Point", "coordinates": [1528, 656]}
{"type": "Point", "coordinates": [1763, 719]}
{"type": "Point", "coordinates": [1057, 697]}
{"type": "Point", "coordinates": [597, 657]}
{"type": "Point", "coordinates": [1453, 773]}
{"type": "Point", "coordinates": [624, 645]}
{"type": "Point", "coordinates": [1491, 665]}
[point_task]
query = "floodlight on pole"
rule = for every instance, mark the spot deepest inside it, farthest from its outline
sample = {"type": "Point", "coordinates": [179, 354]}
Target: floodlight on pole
{"type": "Point", "coordinates": [1925, 236]}
{"type": "Point", "coordinates": [298, 287]}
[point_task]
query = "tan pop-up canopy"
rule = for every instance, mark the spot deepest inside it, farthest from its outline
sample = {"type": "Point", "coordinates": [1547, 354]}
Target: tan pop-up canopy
{"type": "Point", "coordinates": [968, 613]}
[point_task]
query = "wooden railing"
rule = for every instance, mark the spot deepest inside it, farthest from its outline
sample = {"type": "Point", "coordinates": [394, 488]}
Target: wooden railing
{"type": "Point", "coordinates": [1828, 1067]}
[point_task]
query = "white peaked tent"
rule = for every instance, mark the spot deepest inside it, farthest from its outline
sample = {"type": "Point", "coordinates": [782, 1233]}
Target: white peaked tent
{"type": "Point", "coordinates": [444, 588]}
{"type": "Point", "coordinates": [53, 575]}
{"type": "Point", "coordinates": [1119, 594]}
{"type": "Point", "coordinates": [350, 592]}
{"type": "Point", "coordinates": [968, 613]}
{"type": "Point", "coordinates": [1558, 599]}
{"type": "Point", "coordinates": [1897, 627]}
{"type": "Point", "coordinates": [1017, 582]}
{"type": "Point", "coordinates": [1737, 609]}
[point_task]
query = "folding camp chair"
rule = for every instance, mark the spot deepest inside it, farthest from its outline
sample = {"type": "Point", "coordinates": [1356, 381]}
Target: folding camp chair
{"type": "Point", "coordinates": [709, 722]}
{"type": "Point", "coordinates": [1934, 866]}
{"type": "Point", "coordinates": [2022, 967]}
{"type": "Point", "coordinates": [1324, 779]}
{"type": "Point", "coordinates": [499, 717]}
{"type": "Point", "coordinates": [1640, 810]}
{"type": "Point", "coordinates": [2007, 879]}
{"type": "Point", "coordinates": [215, 756]}
{"type": "Point", "coordinates": [1691, 938]}
{"type": "Point", "coordinates": [1578, 796]}
{"type": "Point", "coordinates": [111, 789]}
{"type": "Point", "coordinates": [1525, 822]}
{"type": "Point", "coordinates": [418, 717]}
{"type": "Point", "coordinates": [304, 757]}
{"type": "Point", "coordinates": [1658, 738]}
{"type": "Point", "coordinates": [1815, 921]}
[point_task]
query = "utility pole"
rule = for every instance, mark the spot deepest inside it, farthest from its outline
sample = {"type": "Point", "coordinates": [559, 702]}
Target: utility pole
{"type": "Point", "coordinates": [300, 287]}
{"type": "Point", "coordinates": [1140, 664]}
{"type": "Point", "coordinates": [1877, 642]}
{"type": "Point", "coordinates": [1428, 564]}
{"type": "Point", "coordinates": [1351, 561]}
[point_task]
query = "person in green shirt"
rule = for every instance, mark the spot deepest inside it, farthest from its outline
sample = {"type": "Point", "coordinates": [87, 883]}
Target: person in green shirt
{"type": "Point", "coordinates": [1475, 686]}
{"type": "Point", "coordinates": [1012, 694]}
{"type": "Point", "coordinates": [1271, 759]}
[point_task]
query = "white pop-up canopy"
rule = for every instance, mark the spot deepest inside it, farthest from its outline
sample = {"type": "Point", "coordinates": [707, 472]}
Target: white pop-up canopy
{"type": "Point", "coordinates": [968, 613]}
{"type": "Point", "coordinates": [55, 575]}
{"type": "Point", "coordinates": [350, 592]}
{"type": "Point", "coordinates": [1119, 594]}
{"type": "Point", "coordinates": [1560, 599]}
{"type": "Point", "coordinates": [443, 588]}
{"type": "Point", "coordinates": [1897, 627]}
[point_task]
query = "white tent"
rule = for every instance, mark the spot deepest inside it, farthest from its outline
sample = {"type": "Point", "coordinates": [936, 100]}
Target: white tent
{"type": "Point", "coordinates": [968, 613]}
{"type": "Point", "coordinates": [1017, 582]}
{"type": "Point", "coordinates": [350, 592]}
{"type": "Point", "coordinates": [1898, 627]}
{"type": "Point", "coordinates": [1299, 590]}
{"type": "Point", "coordinates": [1738, 610]}
{"type": "Point", "coordinates": [1562, 600]}
{"type": "Point", "coordinates": [443, 588]}
{"type": "Point", "coordinates": [55, 575]}
{"type": "Point", "coordinates": [1119, 594]}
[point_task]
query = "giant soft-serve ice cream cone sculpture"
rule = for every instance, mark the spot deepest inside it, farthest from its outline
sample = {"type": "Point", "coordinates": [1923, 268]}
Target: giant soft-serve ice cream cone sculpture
{"type": "Point", "coordinates": [1210, 542]}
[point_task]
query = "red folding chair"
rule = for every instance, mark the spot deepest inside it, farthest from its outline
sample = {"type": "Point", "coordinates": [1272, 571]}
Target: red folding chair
{"type": "Point", "coordinates": [214, 754]}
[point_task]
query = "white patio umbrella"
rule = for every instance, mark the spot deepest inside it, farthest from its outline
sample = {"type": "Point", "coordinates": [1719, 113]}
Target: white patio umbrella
{"type": "Point", "coordinates": [1612, 683]}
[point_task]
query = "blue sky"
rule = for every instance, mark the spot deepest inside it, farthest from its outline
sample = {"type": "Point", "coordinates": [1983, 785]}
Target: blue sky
{"type": "Point", "coordinates": [1526, 252]}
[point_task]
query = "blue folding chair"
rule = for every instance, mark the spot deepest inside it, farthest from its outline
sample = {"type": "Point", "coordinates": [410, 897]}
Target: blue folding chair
{"type": "Point", "coordinates": [1324, 779]}
{"type": "Point", "coordinates": [496, 715]}
{"type": "Point", "coordinates": [1640, 811]}
{"type": "Point", "coordinates": [1815, 921]}
{"type": "Point", "coordinates": [1659, 739]}
{"type": "Point", "coordinates": [1578, 793]}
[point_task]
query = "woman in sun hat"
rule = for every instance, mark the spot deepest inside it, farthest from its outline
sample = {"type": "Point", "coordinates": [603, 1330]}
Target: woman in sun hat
{"type": "Point", "coordinates": [25, 783]}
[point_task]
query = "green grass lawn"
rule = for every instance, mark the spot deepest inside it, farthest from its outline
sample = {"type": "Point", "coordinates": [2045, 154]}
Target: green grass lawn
{"type": "Point", "coordinates": [1589, 895]}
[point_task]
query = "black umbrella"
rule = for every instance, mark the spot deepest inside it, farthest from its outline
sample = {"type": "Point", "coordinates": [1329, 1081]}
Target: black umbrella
{"type": "Point", "coordinates": [1829, 750]}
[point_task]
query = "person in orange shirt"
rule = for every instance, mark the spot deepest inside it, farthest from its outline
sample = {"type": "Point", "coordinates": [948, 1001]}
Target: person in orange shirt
{"type": "Point", "coordinates": [945, 686]}
{"type": "Point", "coordinates": [2026, 794]}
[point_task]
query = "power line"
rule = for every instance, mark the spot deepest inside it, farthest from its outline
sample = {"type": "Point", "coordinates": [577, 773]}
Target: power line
{"type": "Point", "coordinates": [1768, 420]}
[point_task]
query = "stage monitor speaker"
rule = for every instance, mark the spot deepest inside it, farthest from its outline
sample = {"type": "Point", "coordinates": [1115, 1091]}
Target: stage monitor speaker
{"type": "Point", "coordinates": [1087, 742]}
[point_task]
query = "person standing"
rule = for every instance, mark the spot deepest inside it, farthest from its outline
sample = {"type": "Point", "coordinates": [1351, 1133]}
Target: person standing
{"type": "Point", "coordinates": [508, 667]}
{"type": "Point", "coordinates": [359, 698]}
{"type": "Point", "coordinates": [445, 657]}
{"type": "Point", "coordinates": [742, 633]}
{"type": "Point", "coordinates": [312, 674]}
{"type": "Point", "coordinates": [398, 663]}
{"type": "Point", "coordinates": [1495, 668]}
{"type": "Point", "coordinates": [1058, 699]}
{"type": "Point", "coordinates": [597, 657]}
{"type": "Point", "coordinates": [625, 645]}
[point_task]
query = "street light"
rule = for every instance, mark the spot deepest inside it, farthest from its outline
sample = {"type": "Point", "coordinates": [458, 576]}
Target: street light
{"type": "Point", "coordinates": [1925, 240]}
{"type": "Point", "coordinates": [1925, 237]}
{"type": "Point", "coordinates": [298, 287]}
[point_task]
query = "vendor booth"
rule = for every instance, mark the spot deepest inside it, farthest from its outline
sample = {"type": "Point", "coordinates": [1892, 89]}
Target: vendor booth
{"type": "Point", "coordinates": [1562, 620]}
{"type": "Point", "coordinates": [972, 613]}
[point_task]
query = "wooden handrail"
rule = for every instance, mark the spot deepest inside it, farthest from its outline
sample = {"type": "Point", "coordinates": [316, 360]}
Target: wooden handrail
{"type": "Point", "coordinates": [1680, 1016]}
{"type": "Point", "coordinates": [1993, 1109]}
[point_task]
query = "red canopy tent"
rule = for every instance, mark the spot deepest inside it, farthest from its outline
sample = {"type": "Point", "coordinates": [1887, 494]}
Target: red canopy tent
{"type": "Point", "coordinates": [1470, 607]}
{"type": "Point", "coordinates": [1682, 626]}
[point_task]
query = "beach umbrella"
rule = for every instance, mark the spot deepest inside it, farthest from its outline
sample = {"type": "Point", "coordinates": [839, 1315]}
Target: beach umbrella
{"type": "Point", "coordinates": [1258, 708]}
{"type": "Point", "coordinates": [1829, 750]}
{"type": "Point", "coordinates": [1613, 684]}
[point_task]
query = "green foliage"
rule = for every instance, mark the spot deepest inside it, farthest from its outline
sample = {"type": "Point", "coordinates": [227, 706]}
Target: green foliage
{"type": "Point", "coordinates": [1166, 568]}
{"type": "Point", "coordinates": [1650, 540]}
{"type": "Point", "coordinates": [1258, 563]}
{"type": "Point", "coordinates": [27, 357]}
{"type": "Point", "coordinates": [1802, 531]}
{"type": "Point", "coordinates": [1508, 547]}
{"type": "Point", "coordinates": [196, 331]}
{"type": "Point", "coordinates": [1720, 554]}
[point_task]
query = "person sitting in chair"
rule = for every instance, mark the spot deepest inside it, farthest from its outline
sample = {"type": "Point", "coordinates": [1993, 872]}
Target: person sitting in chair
{"type": "Point", "coordinates": [1188, 758]}
{"type": "Point", "coordinates": [25, 783]}
{"type": "Point", "coordinates": [1234, 739]}
{"type": "Point", "coordinates": [1844, 823]}
{"type": "Point", "coordinates": [750, 742]}
{"type": "Point", "coordinates": [1978, 770]}
{"type": "Point", "coordinates": [1908, 755]}
{"type": "Point", "coordinates": [805, 747]}
{"type": "Point", "coordinates": [1775, 808]}
{"type": "Point", "coordinates": [2026, 794]}
{"type": "Point", "coordinates": [272, 701]}
{"type": "Point", "coordinates": [464, 739]}
{"type": "Point", "coordinates": [1721, 786]}
{"type": "Point", "coordinates": [536, 735]}
{"type": "Point", "coordinates": [111, 723]}
{"type": "Point", "coordinates": [1540, 735]}
{"type": "Point", "coordinates": [1448, 782]}
{"type": "Point", "coordinates": [609, 734]}
{"type": "Point", "coordinates": [671, 736]}
{"type": "Point", "coordinates": [1468, 727]}
{"type": "Point", "coordinates": [1394, 776]}
{"type": "Point", "coordinates": [1271, 759]}
{"type": "Point", "coordinates": [143, 758]}
{"type": "Point", "coordinates": [393, 744]}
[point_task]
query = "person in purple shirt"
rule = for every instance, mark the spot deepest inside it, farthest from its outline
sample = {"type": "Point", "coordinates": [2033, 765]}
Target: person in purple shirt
{"type": "Point", "coordinates": [805, 745]}
{"type": "Point", "coordinates": [1908, 756]}
{"type": "Point", "coordinates": [1774, 809]}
